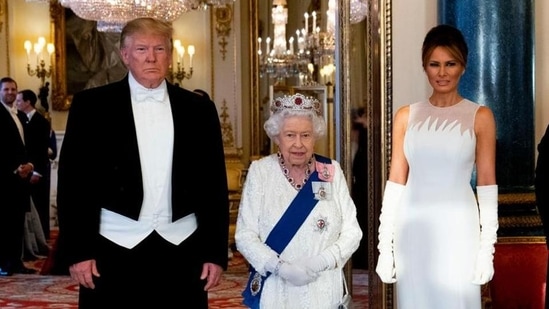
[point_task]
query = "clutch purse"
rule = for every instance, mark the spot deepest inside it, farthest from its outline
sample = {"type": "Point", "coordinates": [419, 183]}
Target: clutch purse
{"type": "Point", "coordinates": [347, 301]}
{"type": "Point", "coordinates": [253, 289]}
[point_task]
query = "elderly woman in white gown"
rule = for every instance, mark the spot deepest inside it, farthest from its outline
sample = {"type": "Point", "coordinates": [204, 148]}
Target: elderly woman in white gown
{"type": "Point", "coordinates": [297, 224]}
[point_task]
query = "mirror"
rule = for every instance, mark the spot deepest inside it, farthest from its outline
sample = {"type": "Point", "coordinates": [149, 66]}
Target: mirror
{"type": "Point", "coordinates": [365, 81]}
{"type": "Point", "coordinates": [296, 56]}
{"type": "Point", "coordinates": [362, 79]}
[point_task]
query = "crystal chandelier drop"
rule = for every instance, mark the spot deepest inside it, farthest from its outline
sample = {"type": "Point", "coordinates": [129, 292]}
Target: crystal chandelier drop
{"type": "Point", "coordinates": [217, 3]}
{"type": "Point", "coordinates": [112, 15]}
{"type": "Point", "coordinates": [359, 10]}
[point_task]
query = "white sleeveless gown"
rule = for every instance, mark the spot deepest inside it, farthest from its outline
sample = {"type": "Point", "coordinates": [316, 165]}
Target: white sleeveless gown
{"type": "Point", "coordinates": [437, 229]}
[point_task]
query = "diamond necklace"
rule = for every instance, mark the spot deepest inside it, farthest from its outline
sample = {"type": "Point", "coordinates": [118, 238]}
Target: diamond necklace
{"type": "Point", "coordinates": [286, 172]}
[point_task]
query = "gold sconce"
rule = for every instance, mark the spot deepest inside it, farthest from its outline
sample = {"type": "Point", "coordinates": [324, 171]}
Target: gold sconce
{"type": "Point", "coordinates": [38, 48]}
{"type": "Point", "coordinates": [326, 73]}
{"type": "Point", "coordinates": [180, 73]}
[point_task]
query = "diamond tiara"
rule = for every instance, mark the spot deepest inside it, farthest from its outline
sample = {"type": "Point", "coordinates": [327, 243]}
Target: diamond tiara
{"type": "Point", "coordinates": [297, 101]}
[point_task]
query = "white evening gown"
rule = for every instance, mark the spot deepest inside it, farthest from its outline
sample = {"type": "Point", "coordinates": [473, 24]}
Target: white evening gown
{"type": "Point", "coordinates": [437, 227]}
{"type": "Point", "coordinates": [267, 194]}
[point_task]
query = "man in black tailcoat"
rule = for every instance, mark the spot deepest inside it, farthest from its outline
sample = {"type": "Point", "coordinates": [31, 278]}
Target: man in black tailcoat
{"type": "Point", "coordinates": [142, 194]}
{"type": "Point", "coordinates": [15, 170]}
{"type": "Point", "coordinates": [542, 189]}
{"type": "Point", "coordinates": [38, 139]}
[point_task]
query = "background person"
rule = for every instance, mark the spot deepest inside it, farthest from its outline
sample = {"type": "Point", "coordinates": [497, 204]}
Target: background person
{"type": "Point", "coordinates": [15, 169]}
{"type": "Point", "coordinates": [307, 273]}
{"type": "Point", "coordinates": [435, 241]}
{"type": "Point", "coordinates": [37, 142]}
{"type": "Point", "coordinates": [52, 146]}
{"type": "Point", "coordinates": [134, 224]}
{"type": "Point", "coordinates": [359, 185]}
{"type": "Point", "coordinates": [541, 183]}
{"type": "Point", "coordinates": [43, 94]}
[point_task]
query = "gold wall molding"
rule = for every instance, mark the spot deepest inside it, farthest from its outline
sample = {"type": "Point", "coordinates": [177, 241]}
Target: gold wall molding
{"type": "Point", "coordinates": [60, 99]}
{"type": "Point", "coordinates": [4, 37]}
{"type": "Point", "coordinates": [520, 221]}
{"type": "Point", "coordinates": [2, 12]}
{"type": "Point", "coordinates": [223, 21]}
{"type": "Point", "coordinates": [521, 240]}
{"type": "Point", "coordinates": [226, 126]}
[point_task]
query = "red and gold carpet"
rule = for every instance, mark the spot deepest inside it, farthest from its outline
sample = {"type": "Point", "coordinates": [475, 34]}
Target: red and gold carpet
{"type": "Point", "coordinates": [53, 291]}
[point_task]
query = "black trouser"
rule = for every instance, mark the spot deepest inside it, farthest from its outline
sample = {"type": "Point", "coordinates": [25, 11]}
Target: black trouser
{"type": "Point", "coordinates": [12, 229]}
{"type": "Point", "coordinates": [155, 272]}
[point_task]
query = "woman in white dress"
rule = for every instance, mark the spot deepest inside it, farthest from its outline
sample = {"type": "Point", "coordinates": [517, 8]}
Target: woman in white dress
{"type": "Point", "coordinates": [307, 272]}
{"type": "Point", "coordinates": [436, 239]}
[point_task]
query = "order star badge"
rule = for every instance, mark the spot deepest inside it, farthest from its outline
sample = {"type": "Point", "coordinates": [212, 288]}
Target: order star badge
{"type": "Point", "coordinates": [322, 190]}
{"type": "Point", "coordinates": [321, 223]}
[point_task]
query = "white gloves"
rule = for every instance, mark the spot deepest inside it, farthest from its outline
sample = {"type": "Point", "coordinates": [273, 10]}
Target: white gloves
{"type": "Point", "coordinates": [294, 274]}
{"type": "Point", "coordinates": [386, 262]}
{"type": "Point", "coordinates": [488, 207]}
{"type": "Point", "coordinates": [318, 263]}
{"type": "Point", "coordinates": [303, 271]}
{"type": "Point", "coordinates": [386, 268]}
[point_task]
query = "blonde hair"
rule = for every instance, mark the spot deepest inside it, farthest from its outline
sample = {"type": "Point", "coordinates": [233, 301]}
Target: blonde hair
{"type": "Point", "coordinates": [147, 25]}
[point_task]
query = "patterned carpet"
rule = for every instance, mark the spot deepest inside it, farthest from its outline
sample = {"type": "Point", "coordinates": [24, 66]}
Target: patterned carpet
{"type": "Point", "coordinates": [47, 291]}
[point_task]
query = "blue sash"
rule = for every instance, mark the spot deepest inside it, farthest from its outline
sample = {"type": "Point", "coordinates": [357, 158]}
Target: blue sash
{"type": "Point", "coordinates": [282, 233]}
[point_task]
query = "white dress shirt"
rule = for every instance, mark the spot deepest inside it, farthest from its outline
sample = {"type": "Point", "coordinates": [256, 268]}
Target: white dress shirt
{"type": "Point", "coordinates": [30, 114]}
{"type": "Point", "coordinates": [155, 133]}
{"type": "Point", "coordinates": [13, 112]}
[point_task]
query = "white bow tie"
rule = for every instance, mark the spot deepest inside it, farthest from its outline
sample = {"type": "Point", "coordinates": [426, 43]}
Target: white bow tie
{"type": "Point", "coordinates": [144, 95]}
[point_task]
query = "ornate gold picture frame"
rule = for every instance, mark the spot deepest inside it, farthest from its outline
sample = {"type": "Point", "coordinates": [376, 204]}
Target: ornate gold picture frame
{"type": "Point", "coordinates": [60, 99]}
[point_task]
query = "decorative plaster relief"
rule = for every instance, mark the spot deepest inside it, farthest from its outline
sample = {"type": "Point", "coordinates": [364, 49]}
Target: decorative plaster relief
{"type": "Point", "coordinates": [223, 21]}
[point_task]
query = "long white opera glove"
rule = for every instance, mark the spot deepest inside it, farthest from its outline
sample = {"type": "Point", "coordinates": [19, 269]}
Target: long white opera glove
{"type": "Point", "coordinates": [386, 261]}
{"type": "Point", "coordinates": [488, 208]}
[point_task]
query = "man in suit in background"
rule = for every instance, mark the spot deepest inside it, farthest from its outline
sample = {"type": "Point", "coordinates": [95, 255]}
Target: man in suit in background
{"type": "Point", "coordinates": [38, 137]}
{"type": "Point", "coordinates": [542, 190]}
{"type": "Point", "coordinates": [15, 170]}
{"type": "Point", "coordinates": [135, 226]}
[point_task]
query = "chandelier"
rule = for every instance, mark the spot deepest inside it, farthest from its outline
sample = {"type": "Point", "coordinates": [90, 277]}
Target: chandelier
{"type": "Point", "coordinates": [311, 49]}
{"type": "Point", "coordinates": [112, 15]}
{"type": "Point", "coordinates": [300, 55]}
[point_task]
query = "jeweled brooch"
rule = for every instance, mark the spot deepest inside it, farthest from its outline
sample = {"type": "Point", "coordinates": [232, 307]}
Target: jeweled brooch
{"type": "Point", "coordinates": [321, 223]}
{"type": "Point", "coordinates": [322, 190]}
{"type": "Point", "coordinates": [255, 284]}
